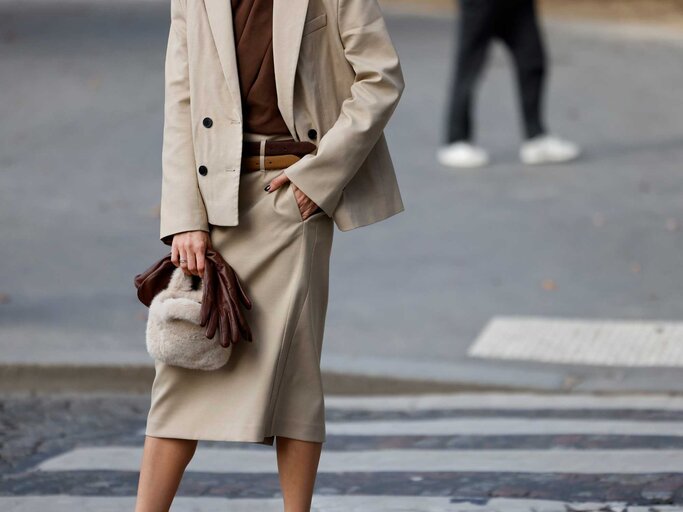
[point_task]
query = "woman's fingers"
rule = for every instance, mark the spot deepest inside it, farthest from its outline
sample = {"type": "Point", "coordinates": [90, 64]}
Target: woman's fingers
{"type": "Point", "coordinates": [306, 205]}
{"type": "Point", "coordinates": [191, 261]}
{"type": "Point", "coordinates": [182, 260]}
{"type": "Point", "coordinates": [188, 251]}
{"type": "Point", "coordinates": [195, 248]}
{"type": "Point", "coordinates": [277, 182]}
{"type": "Point", "coordinates": [201, 262]}
{"type": "Point", "coordinates": [309, 211]}
{"type": "Point", "coordinates": [175, 255]}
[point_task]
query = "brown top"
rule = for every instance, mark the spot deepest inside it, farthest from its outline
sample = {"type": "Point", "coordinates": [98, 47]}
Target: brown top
{"type": "Point", "coordinates": [253, 26]}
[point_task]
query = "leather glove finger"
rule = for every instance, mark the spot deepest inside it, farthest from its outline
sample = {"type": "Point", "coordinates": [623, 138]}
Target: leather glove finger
{"type": "Point", "coordinates": [235, 334]}
{"type": "Point", "coordinates": [242, 323]}
{"type": "Point", "coordinates": [229, 307]}
{"type": "Point", "coordinates": [212, 325]}
{"type": "Point", "coordinates": [220, 318]}
{"type": "Point", "coordinates": [227, 296]}
{"type": "Point", "coordinates": [209, 295]}
{"type": "Point", "coordinates": [227, 273]}
{"type": "Point", "coordinates": [234, 286]}
{"type": "Point", "coordinates": [244, 299]}
{"type": "Point", "coordinates": [212, 312]}
{"type": "Point", "coordinates": [224, 329]}
{"type": "Point", "coordinates": [237, 296]}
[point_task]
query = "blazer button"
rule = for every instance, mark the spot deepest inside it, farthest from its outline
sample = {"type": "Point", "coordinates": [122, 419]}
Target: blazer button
{"type": "Point", "coordinates": [312, 134]}
{"type": "Point", "coordinates": [203, 170]}
{"type": "Point", "coordinates": [207, 122]}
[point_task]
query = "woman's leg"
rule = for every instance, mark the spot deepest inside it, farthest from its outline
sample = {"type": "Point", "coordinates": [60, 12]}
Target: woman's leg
{"type": "Point", "coordinates": [163, 463]}
{"type": "Point", "coordinates": [297, 463]}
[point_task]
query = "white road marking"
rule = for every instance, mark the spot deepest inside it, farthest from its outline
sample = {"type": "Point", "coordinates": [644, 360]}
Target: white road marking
{"type": "Point", "coordinates": [589, 342]}
{"type": "Point", "coordinates": [504, 427]}
{"type": "Point", "coordinates": [501, 425]}
{"type": "Point", "coordinates": [214, 460]}
{"type": "Point", "coordinates": [60, 503]}
{"type": "Point", "coordinates": [509, 401]}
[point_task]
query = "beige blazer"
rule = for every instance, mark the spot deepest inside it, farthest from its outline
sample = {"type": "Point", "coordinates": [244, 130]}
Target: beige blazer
{"type": "Point", "coordinates": [338, 81]}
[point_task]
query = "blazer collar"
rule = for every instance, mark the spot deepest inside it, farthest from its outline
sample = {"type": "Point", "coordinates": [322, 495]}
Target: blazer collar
{"type": "Point", "coordinates": [220, 20]}
{"type": "Point", "coordinates": [289, 17]}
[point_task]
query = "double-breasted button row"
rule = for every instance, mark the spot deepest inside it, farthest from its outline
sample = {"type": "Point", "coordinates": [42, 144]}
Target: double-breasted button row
{"type": "Point", "coordinates": [208, 123]}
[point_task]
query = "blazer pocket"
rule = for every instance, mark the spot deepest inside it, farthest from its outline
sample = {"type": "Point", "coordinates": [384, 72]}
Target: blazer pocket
{"type": "Point", "coordinates": [315, 24]}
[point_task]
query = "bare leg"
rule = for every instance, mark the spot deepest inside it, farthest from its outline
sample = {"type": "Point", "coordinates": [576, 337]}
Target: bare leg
{"type": "Point", "coordinates": [297, 463]}
{"type": "Point", "coordinates": [163, 464]}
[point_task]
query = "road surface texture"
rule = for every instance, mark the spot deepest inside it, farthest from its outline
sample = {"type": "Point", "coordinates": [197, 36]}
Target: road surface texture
{"type": "Point", "coordinates": [434, 453]}
{"type": "Point", "coordinates": [80, 139]}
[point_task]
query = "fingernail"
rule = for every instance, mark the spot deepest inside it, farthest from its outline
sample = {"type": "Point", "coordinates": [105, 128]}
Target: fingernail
{"type": "Point", "coordinates": [267, 189]}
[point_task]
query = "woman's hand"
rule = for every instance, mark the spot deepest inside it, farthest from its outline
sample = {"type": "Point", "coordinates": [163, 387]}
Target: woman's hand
{"type": "Point", "coordinates": [306, 205]}
{"type": "Point", "coordinates": [188, 250]}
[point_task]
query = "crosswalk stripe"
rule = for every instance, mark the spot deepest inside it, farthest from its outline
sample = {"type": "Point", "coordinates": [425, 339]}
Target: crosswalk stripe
{"type": "Point", "coordinates": [500, 427]}
{"type": "Point", "coordinates": [517, 401]}
{"type": "Point", "coordinates": [60, 503]}
{"type": "Point", "coordinates": [219, 460]}
{"type": "Point", "coordinates": [581, 341]}
{"type": "Point", "coordinates": [504, 427]}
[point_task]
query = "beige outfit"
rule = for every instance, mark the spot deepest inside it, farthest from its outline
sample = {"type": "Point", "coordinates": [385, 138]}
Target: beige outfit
{"type": "Point", "coordinates": [338, 80]}
{"type": "Point", "coordinates": [273, 385]}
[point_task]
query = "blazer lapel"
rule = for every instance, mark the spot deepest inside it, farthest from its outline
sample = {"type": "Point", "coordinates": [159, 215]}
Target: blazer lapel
{"type": "Point", "coordinates": [289, 17]}
{"type": "Point", "coordinates": [220, 19]}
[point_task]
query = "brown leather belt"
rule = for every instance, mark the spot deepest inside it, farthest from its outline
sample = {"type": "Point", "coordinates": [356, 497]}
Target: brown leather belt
{"type": "Point", "coordinates": [278, 147]}
{"type": "Point", "coordinates": [278, 154]}
{"type": "Point", "coordinates": [270, 163]}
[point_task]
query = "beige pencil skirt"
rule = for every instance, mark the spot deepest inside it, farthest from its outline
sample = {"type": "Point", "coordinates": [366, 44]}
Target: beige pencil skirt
{"type": "Point", "coordinates": [271, 386]}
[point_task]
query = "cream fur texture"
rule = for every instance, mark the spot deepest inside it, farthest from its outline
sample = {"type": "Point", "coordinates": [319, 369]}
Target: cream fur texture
{"type": "Point", "coordinates": [174, 335]}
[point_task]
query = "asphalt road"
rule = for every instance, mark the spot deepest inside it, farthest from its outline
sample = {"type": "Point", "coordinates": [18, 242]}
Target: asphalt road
{"type": "Point", "coordinates": [448, 453]}
{"type": "Point", "coordinates": [80, 136]}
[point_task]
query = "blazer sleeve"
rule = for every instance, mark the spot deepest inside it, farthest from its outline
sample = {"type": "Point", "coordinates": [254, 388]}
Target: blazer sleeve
{"type": "Point", "coordinates": [182, 207]}
{"type": "Point", "coordinates": [375, 92]}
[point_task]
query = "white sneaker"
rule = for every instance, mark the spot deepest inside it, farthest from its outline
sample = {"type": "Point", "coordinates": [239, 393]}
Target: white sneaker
{"type": "Point", "coordinates": [462, 154]}
{"type": "Point", "coordinates": [548, 149]}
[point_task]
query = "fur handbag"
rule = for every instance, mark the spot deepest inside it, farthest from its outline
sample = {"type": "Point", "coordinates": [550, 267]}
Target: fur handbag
{"type": "Point", "coordinates": [174, 333]}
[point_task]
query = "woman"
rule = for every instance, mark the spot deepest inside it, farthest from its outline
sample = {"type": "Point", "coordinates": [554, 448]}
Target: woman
{"type": "Point", "coordinates": [273, 131]}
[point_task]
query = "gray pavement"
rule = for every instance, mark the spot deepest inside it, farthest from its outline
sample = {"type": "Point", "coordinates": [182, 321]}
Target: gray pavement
{"type": "Point", "coordinates": [566, 453]}
{"type": "Point", "coordinates": [81, 109]}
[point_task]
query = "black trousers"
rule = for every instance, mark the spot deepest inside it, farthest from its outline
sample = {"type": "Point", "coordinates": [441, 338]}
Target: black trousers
{"type": "Point", "coordinates": [515, 23]}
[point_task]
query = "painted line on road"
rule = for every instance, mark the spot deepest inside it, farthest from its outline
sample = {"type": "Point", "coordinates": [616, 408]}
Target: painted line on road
{"type": "Point", "coordinates": [213, 460]}
{"type": "Point", "coordinates": [586, 342]}
{"type": "Point", "coordinates": [60, 503]}
{"type": "Point", "coordinates": [502, 401]}
{"type": "Point", "coordinates": [504, 427]}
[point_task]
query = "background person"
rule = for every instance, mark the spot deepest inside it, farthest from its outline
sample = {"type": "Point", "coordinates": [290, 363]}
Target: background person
{"type": "Point", "coordinates": [515, 23]}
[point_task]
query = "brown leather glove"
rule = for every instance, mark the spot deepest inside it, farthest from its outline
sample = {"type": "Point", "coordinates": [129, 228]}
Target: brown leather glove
{"type": "Point", "coordinates": [221, 300]}
{"type": "Point", "coordinates": [154, 279]}
{"type": "Point", "coordinates": [223, 296]}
